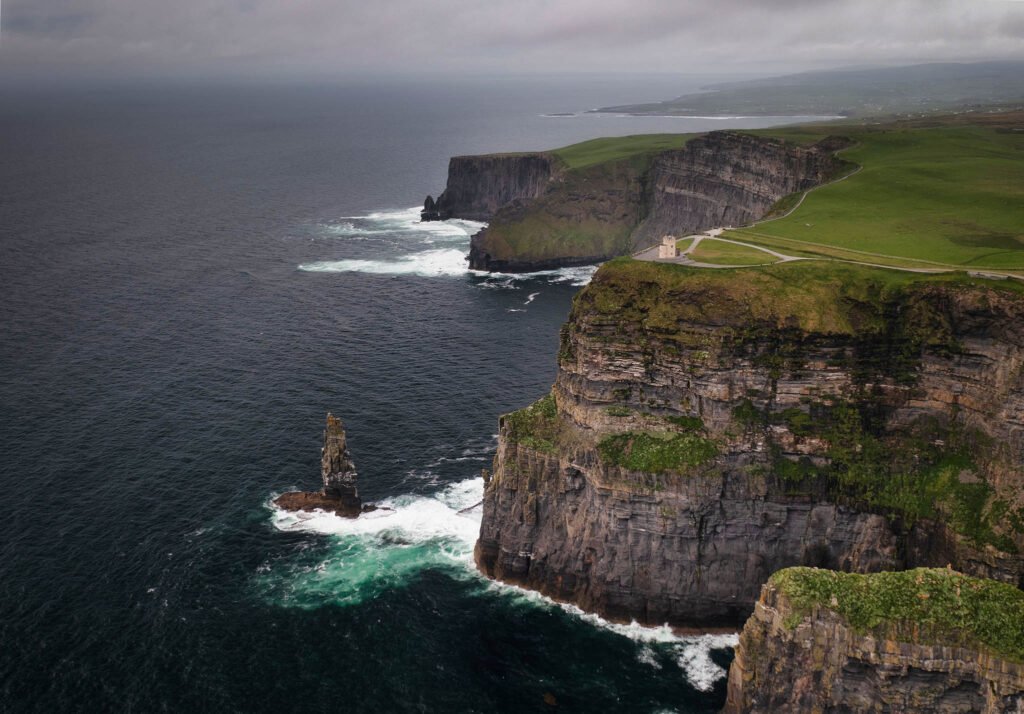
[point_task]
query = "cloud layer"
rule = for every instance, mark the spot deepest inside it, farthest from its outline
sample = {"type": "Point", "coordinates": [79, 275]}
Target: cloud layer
{"type": "Point", "coordinates": [342, 37]}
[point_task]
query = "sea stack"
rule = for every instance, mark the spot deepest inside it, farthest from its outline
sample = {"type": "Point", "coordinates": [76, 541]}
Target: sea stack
{"type": "Point", "coordinates": [339, 493]}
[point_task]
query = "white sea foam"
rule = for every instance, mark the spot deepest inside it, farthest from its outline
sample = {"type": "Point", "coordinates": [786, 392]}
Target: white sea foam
{"type": "Point", "coordinates": [694, 658]}
{"type": "Point", "coordinates": [427, 263]}
{"type": "Point", "coordinates": [402, 221]}
{"type": "Point", "coordinates": [692, 653]}
{"type": "Point", "coordinates": [384, 548]}
{"type": "Point", "coordinates": [406, 519]}
{"type": "Point", "coordinates": [405, 250]}
{"type": "Point", "coordinates": [579, 275]}
{"type": "Point", "coordinates": [447, 262]}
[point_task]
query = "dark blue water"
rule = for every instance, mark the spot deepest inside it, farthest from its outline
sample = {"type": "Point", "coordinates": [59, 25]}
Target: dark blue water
{"type": "Point", "coordinates": [193, 276]}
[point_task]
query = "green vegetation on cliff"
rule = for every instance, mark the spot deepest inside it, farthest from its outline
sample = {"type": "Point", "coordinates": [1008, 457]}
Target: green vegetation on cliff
{"type": "Point", "coordinates": [535, 426]}
{"type": "Point", "coordinates": [588, 215]}
{"type": "Point", "coordinates": [616, 148]}
{"type": "Point", "coordinates": [832, 298]}
{"type": "Point", "coordinates": [927, 606]}
{"type": "Point", "coordinates": [928, 471]}
{"type": "Point", "coordinates": [657, 452]}
{"type": "Point", "coordinates": [926, 196]}
{"type": "Point", "coordinates": [877, 325]}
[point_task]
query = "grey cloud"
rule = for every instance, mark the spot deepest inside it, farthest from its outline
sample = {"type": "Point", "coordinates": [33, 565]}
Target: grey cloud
{"type": "Point", "coordinates": [338, 37]}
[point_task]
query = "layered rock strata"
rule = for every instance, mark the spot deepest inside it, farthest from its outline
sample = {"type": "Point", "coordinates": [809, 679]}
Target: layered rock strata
{"type": "Point", "coordinates": [339, 493]}
{"type": "Point", "coordinates": [708, 428]}
{"type": "Point", "coordinates": [729, 179]}
{"type": "Point", "coordinates": [922, 641]}
{"type": "Point", "coordinates": [479, 185]}
{"type": "Point", "coordinates": [584, 217]}
{"type": "Point", "coordinates": [545, 215]}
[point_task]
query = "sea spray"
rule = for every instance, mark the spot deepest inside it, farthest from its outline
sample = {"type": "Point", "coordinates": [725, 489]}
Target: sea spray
{"type": "Point", "coordinates": [396, 242]}
{"type": "Point", "coordinates": [387, 548]}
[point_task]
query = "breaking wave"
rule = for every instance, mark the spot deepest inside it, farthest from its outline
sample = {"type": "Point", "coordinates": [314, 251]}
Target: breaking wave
{"type": "Point", "coordinates": [427, 263]}
{"type": "Point", "coordinates": [396, 242]}
{"type": "Point", "coordinates": [379, 550]}
{"type": "Point", "coordinates": [385, 549]}
{"type": "Point", "coordinates": [656, 646]}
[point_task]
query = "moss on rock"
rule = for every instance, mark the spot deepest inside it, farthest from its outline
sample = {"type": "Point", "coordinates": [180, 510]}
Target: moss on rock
{"type": "Point", "coordinates": [938, 606]}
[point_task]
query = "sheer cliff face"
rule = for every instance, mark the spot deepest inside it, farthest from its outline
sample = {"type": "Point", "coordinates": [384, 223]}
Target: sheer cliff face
{"type": "Point", "coordinates": [727, 179]}
{"type": "Point", "coordinates": [582, 217]}
{"type": "Point", "coordinates": [709, 428]}
{"type": "Point", "coordinates": [791, 659]}
{"type": "Point", "coordinates": [594, 213]}
{"type": "Point", "coordinates": [479, 185]}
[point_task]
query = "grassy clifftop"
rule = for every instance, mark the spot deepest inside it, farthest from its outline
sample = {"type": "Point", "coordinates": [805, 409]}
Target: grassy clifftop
{"type": "Point", "coordinates": [640, 147]}
{"type": "Point", "coordinates": [822, 297]}
{"type": "Point", "coordinates": [929, 194]}
{"type": "Point", "coordinates": [930, 605]}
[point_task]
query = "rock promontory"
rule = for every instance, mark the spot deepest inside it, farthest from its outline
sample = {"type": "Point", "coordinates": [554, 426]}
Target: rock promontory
{"type": "Point", "coordinates": [708, 428]}
{"type": "Point", "coordinates": [554, 209]}
{"type": "Point", "coordinates": [339, 493]}
{"type": "Point", "coordinates": [915, 641]}
{"type": "Point", "coordinates": [479, 185]}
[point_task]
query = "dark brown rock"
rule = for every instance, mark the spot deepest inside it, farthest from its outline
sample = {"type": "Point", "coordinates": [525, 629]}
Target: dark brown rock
{"type": "Point", "coordinates": [594, 213]}
{"type": "Point", "coordinates": [339, 493]}
{"type": "Point", "coordinates": [726, 179]}
{"type": "Point", "coordinates": [693, 547]}
{"type": "Point", "coordinates": [789, 661]}
{"type": "Point", "coordinates": [479, 185]}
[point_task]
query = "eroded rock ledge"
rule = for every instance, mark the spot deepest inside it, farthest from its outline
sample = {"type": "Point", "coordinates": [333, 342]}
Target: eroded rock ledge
{"type": "Point", "coordinates": [708, 428]}
{"type": "Point", "coordinates": [339, 494]}
{"type": "Point", "coordinates": [916, 641]}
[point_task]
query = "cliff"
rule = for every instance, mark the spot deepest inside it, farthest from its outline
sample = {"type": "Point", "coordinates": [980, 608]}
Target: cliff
{"type": "Point", "coordinates": [729, 179]}
{"type": "Point", "coordinates": [339, 493]}
{"type": "Point", "coordinates": [545, 212]}
{"type": "Point", "coordinates": [585, 216]}
{"type": "Point", "coordinates": [479, 185]}
{"type": "Point", "coordinates": [708, 428]}
{"type": "Point", "coordinates": [916, 641]}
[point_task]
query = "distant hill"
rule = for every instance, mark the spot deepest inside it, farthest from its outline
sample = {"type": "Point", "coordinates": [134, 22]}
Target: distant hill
{"type": "Point", "coordinates": [853, 92]}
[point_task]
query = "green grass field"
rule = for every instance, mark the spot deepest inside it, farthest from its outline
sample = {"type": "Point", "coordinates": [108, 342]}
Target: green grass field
{"type": "Point", "coordinates": [925, 197]}
{"type": "Point", "coordinates": [598, 151]}
{"type": "Point", "coordinates": [718, 252]}
{"type": "Point", "coordinates": [683, 243]}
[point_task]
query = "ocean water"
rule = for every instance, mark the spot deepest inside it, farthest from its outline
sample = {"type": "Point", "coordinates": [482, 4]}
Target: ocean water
{"type": "Point", "coordinates": [193, 276]}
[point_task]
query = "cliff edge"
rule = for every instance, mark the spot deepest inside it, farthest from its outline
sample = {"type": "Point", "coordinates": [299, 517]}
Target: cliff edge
{"type": "Point", "coordinates": [577, 206]}
{"type": "Point", "coordinates": [479, 185]}
{"type": "Point", "coordinates": [708, 428]}
{"type": "Point", "coordinates": [916, 641]}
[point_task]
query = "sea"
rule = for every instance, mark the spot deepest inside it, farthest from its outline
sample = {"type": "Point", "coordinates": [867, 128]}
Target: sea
{"type": "Point", "coordinates": [194, 274]}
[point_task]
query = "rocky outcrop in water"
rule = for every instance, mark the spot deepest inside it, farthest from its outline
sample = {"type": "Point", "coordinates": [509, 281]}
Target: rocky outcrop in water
{"type": "Point", "coordinates": [708, 428]}
{"type": "Point", "coordinates": [479, 185]}
{"type": "Point", "coordinates": [545, 215]}
{"type": "Point", "coordinates": [921, 641]}
{"type": "Point", "coordinates": [339, 493]}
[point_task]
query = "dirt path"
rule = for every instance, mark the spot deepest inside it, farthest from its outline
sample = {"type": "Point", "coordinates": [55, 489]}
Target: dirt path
{"type": "Point", "coordinates": [684, 259]}
{"type": "Point", "coordinates": [715, 234]}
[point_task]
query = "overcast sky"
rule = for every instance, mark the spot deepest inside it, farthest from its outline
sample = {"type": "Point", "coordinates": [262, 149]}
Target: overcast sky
{"type": "Point", "coordinates": [65, 38]}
